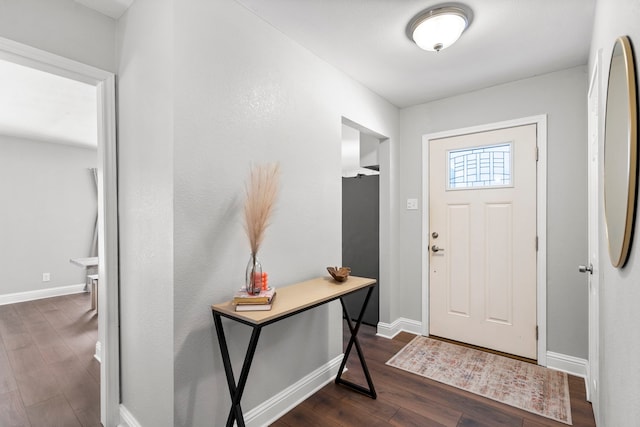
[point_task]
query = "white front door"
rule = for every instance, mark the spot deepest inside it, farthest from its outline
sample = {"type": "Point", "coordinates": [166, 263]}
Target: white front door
{"type": "Point", "coordinates": [482, 243]}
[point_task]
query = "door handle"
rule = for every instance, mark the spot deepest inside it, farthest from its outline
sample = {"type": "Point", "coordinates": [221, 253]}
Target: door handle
{"type": "Point", "coordinates": [435, 249]}
{"type": "Point", "coordinates": [584, 268]}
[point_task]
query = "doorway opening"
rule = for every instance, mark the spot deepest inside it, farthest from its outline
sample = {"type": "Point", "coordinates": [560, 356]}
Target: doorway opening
{"type": "Point", "coordinates": [361, 213]}
{"type": "Point", "coordinates": [107, 229]}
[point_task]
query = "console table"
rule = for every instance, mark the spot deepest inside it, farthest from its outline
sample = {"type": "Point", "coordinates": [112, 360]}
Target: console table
{"type": "Point", "coordinates": [289, 301]}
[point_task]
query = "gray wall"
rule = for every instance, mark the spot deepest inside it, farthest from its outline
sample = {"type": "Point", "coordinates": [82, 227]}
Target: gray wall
{"type": "Point", "coordinates": [619, 288]}
{"type": "Point", "coordinates": [48, 213]}
{"type": "Point", "coordinates": [563, 97]}
{"type": "Point", "coordinates": [63, 27]}
{"type": "Point", "coordinates": [257, 97]}
{"type": "Point", "coordinates": [145, 205]}
{"type": "Point", "coordinates": [200, 100]}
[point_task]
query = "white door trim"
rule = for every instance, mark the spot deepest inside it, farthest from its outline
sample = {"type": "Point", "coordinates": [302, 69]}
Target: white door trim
{"type": "Point", "coordinates": [541, 221]}
{"type": "Point", "coordinates": [108, 323]}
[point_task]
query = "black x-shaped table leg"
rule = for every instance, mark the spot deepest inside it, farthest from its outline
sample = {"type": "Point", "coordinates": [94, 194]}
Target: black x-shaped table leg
{"type": "Point", "coordinates": [236, 390]}
{"type": "Point", "coordinates": [235, 413]}
{"type": "Point", "coordinates": [371, 392]}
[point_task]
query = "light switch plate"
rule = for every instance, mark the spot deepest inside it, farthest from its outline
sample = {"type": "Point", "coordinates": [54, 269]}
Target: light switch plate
{"type": "Point", "coordinates": [412, 204]}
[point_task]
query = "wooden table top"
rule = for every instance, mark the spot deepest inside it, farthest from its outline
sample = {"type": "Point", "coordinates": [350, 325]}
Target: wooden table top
{"type": "Point", "coordinates": [295, 298]}
{"type": "Point", "coordinates": [85, 262]}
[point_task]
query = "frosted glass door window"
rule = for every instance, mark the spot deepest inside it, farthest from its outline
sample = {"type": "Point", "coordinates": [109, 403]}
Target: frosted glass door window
{"type": "Point", "coordinates": [487, 166]}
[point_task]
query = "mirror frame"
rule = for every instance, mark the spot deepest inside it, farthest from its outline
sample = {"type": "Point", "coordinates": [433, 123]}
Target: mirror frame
{"type": "Point", "coordinates": [616, 176]}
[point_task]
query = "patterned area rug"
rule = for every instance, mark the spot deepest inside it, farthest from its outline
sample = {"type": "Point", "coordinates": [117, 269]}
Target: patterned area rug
{"type": "Point", "coordinates": [526, 386]}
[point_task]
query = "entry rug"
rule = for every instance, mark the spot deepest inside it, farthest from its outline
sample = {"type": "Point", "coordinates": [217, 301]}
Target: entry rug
{"type": "Point", "coordinates": [530, 387]}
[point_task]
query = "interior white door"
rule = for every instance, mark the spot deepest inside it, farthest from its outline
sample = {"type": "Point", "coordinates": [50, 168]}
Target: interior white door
{"type": "Point", "coordinates": [482, 214]}
{"type": "Point", "coordinates": [594, 255]}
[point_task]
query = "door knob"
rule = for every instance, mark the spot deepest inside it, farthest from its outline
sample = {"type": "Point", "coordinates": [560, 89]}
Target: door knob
{"type": "Point", "coordinates": [584, 268]}
{"type": "Point", "coordinates": [434, 248]}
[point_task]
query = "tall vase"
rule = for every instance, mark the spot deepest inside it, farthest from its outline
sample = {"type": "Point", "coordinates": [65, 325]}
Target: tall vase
{"type": "Point", "coordinates": [253, 276]}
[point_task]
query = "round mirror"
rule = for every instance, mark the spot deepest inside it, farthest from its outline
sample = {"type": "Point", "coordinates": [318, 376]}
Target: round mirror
{"type": "Point", "coordinates": [620, 152]}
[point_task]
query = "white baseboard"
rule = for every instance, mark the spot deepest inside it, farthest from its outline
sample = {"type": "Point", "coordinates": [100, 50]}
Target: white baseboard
{"type": "Point", "coordinates": [41, 293]}
{"type": "Point", "coordinates": [126, 419]}
{"type": "Point", "coordinates": [569, 364]}
{"type": "Point", "coordinates": [275, 407]}
{"type": "Point", "coordinates": [390, 330]}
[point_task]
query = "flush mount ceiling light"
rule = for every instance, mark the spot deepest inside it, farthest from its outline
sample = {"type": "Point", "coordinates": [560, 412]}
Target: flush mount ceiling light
{"type": "Point", "coordinates": [439, 26]}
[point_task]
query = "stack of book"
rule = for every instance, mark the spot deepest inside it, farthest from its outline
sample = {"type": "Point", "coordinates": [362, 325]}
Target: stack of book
{"type": "Point", "coordinates": [244, 301]}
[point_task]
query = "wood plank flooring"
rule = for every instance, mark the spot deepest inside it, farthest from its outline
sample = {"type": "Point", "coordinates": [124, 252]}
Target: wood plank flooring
{"type": "Point", "coordinates": [406, 399]}
{"type": "Point", "coordinates": [48, 375]}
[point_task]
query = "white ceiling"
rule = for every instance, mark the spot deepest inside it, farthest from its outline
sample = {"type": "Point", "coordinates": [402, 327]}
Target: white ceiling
{"type": "Point", "coordinates": [507, 40]}
{"type": "Point", "coordinates": [41, 106]}
{"type": "Point", "coordinates": [111, 8]}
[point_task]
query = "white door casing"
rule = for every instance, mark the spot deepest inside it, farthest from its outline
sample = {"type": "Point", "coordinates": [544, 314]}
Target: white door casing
{"type": "Point", "coordinates": [461, 306]}
{"type": "Point", "coordinates": [108, 323]}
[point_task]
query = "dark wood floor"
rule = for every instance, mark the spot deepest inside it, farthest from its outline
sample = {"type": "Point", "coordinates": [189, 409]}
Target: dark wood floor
{"type": "Point", "coordinates": [48, 375]}
{"type": "Point", "coordinates": [406, 399]}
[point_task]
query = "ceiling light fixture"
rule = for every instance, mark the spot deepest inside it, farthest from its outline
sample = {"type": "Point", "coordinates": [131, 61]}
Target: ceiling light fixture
{"type": "Point", "coordinates": [439, 26]}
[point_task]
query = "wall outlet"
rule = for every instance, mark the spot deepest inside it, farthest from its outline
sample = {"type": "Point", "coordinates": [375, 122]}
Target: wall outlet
{"type": "Point", "coordinates": [412, 204]}
{"type": "Point", "coordinates": [46, 277]}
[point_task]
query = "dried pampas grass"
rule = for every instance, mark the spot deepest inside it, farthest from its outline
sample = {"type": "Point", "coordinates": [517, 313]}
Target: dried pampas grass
{"type": "Point", "coordinates": [261, 190]}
